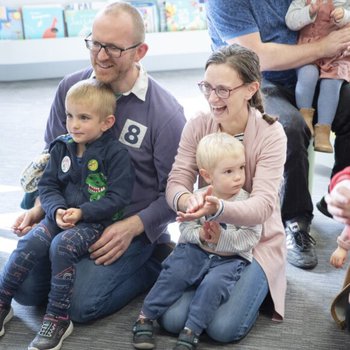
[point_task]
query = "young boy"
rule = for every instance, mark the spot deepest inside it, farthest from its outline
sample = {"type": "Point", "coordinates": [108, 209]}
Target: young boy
{"type": "Point", "coordinates": [85, 186]}
{"type": "Point", "coordinates": [209, 254]}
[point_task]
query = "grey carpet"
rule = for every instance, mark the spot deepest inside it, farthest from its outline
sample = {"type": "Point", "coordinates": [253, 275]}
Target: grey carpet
{"type": "Point", "coordinates": [308, 325]}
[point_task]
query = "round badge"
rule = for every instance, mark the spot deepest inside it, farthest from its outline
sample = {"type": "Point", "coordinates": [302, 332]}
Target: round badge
{"type": "Point", "coordinates": [65, 164]}
{"type": "Point", "coordinates": [93, 165]}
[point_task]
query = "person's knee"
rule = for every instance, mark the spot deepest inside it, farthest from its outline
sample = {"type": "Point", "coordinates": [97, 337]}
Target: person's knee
{"type": "Point", "coordinates": [81, 311]}
{"type": "Point", "coordinates": [224, 332]}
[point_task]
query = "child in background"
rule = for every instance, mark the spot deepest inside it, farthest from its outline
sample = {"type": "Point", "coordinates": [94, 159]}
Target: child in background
{"type": "Point", "coordinates": [86, 185]}
{"type": "Point", "coordinates": [209, 254]}
{"type": "Point", "coordinates": [315, 19]}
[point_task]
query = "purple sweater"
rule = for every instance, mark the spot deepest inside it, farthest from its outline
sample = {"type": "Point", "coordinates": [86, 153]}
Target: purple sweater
{"type": "Point", "coordinates": [151, 132]}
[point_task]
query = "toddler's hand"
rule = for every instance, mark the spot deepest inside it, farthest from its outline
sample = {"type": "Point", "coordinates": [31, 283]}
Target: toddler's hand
{"type": "Point", "coordinates": [338, 257]}
{"type": "Point", "coordinates": [337, 14]}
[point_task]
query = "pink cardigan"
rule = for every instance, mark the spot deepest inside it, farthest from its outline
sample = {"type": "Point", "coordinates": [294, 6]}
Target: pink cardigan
{"type": "Point", "coordinates": [265, 150]}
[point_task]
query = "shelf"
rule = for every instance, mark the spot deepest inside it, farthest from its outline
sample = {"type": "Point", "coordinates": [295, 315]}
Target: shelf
{"type": "Point", "coordinates": [53, 58]}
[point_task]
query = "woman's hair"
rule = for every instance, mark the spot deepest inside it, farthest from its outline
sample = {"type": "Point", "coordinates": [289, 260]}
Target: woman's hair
{"type": "Point", "coordinates": [246, 63]}
{"type": "Point", "coordinates": [214, 147]}
{"type": "Point", "coordinates": [122, 9]}
{"type": "Point", "coordinates": [94, 93]}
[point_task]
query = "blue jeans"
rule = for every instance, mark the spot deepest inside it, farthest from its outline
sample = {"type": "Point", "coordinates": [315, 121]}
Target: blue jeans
{"type": "Point", "coordinates": [98, 290]}
{"type": "Point", "coordinates": [234, 318]}
{"type": "Point", "coordinates": [214, 277]}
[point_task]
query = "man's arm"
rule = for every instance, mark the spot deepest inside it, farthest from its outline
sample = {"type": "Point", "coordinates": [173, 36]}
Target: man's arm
{"type": "Point", "coordinates": [276, 57]}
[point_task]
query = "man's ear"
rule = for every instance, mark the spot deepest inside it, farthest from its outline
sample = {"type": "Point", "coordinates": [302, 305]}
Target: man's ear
{"type": "Point", "coordinates": [141, 51]}
{"type": "Point", "coordinates": [108, 122]}
{"type": "Point", "coordinates": [205, 175]}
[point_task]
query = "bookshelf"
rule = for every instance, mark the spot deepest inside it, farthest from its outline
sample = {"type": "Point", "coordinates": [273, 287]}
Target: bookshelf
{"type": "Point", "coordinates": [54, 58]}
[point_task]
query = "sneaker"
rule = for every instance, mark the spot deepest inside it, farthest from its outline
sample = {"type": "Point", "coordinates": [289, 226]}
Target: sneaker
{"type": "Point", "coordinates": [5, 316]}
{"type": "Point", "coordinates": [300, 245]}
{"type": "Point", "coordinates": [322, 207]}
{"type": "Point", "coordinates": [187, 340]}
{"type": "Point", "coordinates": [143, 334]}
{"type": "Point", "coordinates": [52, 333]}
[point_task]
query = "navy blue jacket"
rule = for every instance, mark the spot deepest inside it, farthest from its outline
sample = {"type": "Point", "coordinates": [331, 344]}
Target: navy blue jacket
{"type": "Point", "coordinates": [101, 186]}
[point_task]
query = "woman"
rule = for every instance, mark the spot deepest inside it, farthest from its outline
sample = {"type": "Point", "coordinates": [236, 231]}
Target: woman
{"type": "Point", "coordinates": [231, 87]}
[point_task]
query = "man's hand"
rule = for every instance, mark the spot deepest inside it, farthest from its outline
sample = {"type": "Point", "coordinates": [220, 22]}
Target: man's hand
{"type": "Point", "coordinates": [26, 221]}
{"type": "Point", "coordinates": [115, 240]}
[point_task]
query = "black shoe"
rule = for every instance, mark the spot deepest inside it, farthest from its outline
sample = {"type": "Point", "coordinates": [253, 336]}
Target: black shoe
{"type": "Point", "coordinates": [300, 245]}
{"type": "Point", "coordinates": [143, 334]}
{"type": "Point", "coordinates": [322, 207]}
{"type": "Point", "coordinates": [5, 316]}
{"type": "Point", "coordinates": [187, 340]}
{"type": "Point", "coordinates": [52, 333]}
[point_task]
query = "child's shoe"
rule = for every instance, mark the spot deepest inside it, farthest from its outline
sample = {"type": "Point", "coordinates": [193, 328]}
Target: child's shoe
{"type": "Point", "coordinates": [5, 316]}
{"type": "Point", "coordinates": [143, 334]}
{"type": "Point", "coordinates": [322, 138]}
{"type": "Point", "coordinates": [187, 340]}
{"type": "Point", "coordinates": [52, 333]}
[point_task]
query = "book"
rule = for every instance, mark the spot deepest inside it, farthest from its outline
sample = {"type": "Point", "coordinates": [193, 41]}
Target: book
{"type": "Point", "coordinates": [10, 23]}
{"type": "Point", "coordinates": [43, 21]}
{"type": "Point", "coordinates": [185, 15]}
{"type": "Point", "coordinates": [80, 16]}
{"type": "Point", "coordinates": [149, 13]}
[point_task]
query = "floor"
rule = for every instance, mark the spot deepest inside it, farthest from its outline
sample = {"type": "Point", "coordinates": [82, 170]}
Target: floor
{"type": "Point", "coordinates": [24, 107]}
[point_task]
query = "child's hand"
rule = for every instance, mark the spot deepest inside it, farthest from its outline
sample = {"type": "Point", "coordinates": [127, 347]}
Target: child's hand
{"type": "Point", "coordinates": [338, 257]}
{"type": "Point", "coordinates": [315, 7]}
{"type": "Point", "coordinates": [72, 215]}
{"type": "Point", "coordinates": [59, 216]}
{"type": "Point", "coordinates": [212, 231]}
{"type": "Point", "coordinates": [337, 14]}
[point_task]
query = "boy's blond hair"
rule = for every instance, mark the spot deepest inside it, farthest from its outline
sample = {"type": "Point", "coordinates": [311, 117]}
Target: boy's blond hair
{"type": "Point", "coordinates": [94, 93]}
{"type": "Point", "coordinates": [214, 147]}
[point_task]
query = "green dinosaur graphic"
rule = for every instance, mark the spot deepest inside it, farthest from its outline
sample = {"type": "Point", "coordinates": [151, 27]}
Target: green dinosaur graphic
{"type": "Point", "coordinates": [97, 186]}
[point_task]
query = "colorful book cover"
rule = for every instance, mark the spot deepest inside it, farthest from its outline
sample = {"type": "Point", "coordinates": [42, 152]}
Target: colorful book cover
{"type": "Point", "coordinates": [185, 15]}
{"type": "Point", "coordinates": [149, 12]}
{"type": "Point", "coordinates": [79, 17]}
{"type": "Point", "coordinates": [43, 21]}
{"type": "Point", "coordinates": [10, 23]}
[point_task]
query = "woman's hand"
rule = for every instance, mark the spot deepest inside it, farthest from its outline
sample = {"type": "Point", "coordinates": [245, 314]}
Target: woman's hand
{"type": "Point", "coordinates": [26, 221]}
{"type": "Point", "coordinates": [199, 204]}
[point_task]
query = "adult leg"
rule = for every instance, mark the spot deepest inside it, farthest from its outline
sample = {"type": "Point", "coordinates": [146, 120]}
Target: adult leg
{"type": "Point", "coordinates": [234, 318]}
{"type": "Point", "coordinates": [296, 203]}
{"type": "Point", "coordinates": [101, 290]}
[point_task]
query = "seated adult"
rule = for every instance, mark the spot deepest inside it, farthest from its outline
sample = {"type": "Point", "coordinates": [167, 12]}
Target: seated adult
{"type": "Point", "coordinates": [231, 86]}
{"type": "Point", "coordinates": [149, 122]}
{"type": "Point", "coordinates": [260, 26]}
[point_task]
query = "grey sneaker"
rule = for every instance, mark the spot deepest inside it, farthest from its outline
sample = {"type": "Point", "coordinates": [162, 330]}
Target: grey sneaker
{"type": "Point", "coordinates": [187, 340]}
{"type": "Point", "coordinates": [5, 316]}
{"type": "Point", "coordinates": [143, 334]}
{"type": "Point", "coordinates": [301, 250]}
{"type": "Point", "coordinates": [52, 333]}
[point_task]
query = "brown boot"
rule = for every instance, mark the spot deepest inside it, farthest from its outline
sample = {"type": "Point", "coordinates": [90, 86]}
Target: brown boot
{"type": "Point", "coordinates": [322, 135]}
{"type": "Point", "coordinates": [308, 115]}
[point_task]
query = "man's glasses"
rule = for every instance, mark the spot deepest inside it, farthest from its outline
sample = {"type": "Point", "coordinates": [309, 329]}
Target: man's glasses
{"type": "Point", "coordinates": [111, 50]}
{"type": "Point", "coordinates": [220, 91]}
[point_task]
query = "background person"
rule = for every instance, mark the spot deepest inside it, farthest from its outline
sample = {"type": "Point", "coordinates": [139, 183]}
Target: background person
{"type": "Point", "coordinates": [260, 26]}
{"type": "Point", "coordinates": [316, 19]}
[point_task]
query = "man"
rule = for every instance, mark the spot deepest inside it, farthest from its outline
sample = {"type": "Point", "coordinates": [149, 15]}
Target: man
{"type": "Point", "coordinates": [260, 26]}
{"type": "Point", "coordinates": [149, 122]}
